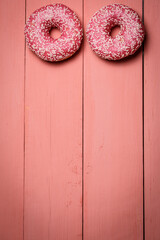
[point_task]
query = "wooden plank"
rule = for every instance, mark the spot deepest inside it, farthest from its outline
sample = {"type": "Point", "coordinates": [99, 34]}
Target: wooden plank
{"type": "Point", "coordinates": [11, 118]}
{"type": "Point", "coordinates": [113, 177]}
{"type": "Point", "coordinates": [53, 143]}
{"type": "Point", "coordinates": [152, 120]}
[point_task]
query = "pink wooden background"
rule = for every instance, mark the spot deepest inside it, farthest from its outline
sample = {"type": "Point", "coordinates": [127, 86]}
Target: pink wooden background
{"type": "Point", "coordinates": [80, 139]}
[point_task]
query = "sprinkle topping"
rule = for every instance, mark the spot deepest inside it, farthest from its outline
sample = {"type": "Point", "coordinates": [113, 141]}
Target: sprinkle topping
{"type": "Point", "coordinates": [127, 41]}
{"type": "Point", "coordinates": [37, 32]}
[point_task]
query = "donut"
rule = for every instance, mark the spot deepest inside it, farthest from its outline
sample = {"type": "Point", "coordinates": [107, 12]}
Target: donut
{"type": "Point", "coordinates": [126, 42]}
{"type": "Point", "coordinates": [37, 32]}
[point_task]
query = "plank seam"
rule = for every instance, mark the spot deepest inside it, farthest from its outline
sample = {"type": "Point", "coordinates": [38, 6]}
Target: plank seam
{"type": "Point", "coordinates": [143, 127]}
{"type": "Point", "coordinates": [24, 126]}
{"type": "Point", "coordinates": [83, 127]}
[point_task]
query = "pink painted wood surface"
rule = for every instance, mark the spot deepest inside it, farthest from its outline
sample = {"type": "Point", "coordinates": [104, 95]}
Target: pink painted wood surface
{"type": "Point", "coordinates": [152, 120]}
{"type": "Point", "coordinates": [113, 170]}
{"type": "Point", "coordinates": [11, 118]}
{"type": "Point", "coordinates": [53, 186]}
{"type": "Point", "coordinates": [113, 180]}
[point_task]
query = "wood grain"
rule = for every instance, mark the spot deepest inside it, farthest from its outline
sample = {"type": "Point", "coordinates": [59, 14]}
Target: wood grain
{"type": "Point", "coordinates": [53, 190]}
{"type": "Point", "coordinates": [113, 150]}
{"type": "Point", "coordinates": [113, 194]}
{"type": "Point", "coordinates": [152, 120]}
{"type": "Point", "coordinates": [12, 21]}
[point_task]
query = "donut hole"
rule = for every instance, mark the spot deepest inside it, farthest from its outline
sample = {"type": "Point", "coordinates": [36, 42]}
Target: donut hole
{"type": "Point", "coordinates": [114, 31]}
{"type": "Point", "coordinates": [55, 33]}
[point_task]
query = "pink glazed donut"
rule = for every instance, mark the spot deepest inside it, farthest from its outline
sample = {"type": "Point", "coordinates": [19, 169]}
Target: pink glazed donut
{"type": "Point", "coordinates": [37, 32]}
{"type": "Point", "coordinates": [127, 41]}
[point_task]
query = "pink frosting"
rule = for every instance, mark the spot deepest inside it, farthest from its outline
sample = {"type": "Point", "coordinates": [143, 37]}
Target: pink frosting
{"type": "Point", "coordinates": [37, 32]}
{"type": "Point", "coordinates": [127, 41]}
